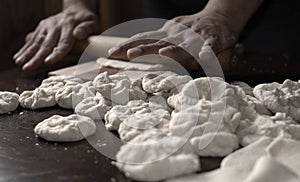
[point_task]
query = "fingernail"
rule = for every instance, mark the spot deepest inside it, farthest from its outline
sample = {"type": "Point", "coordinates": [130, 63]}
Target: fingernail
{"type": "Point", "coordinates": [134, 52]}
{"type": "Point", "coordinates": [15, 56]}
{"type": "Point", "coordinates": [48, 59]}
{"type": "Point", "coordinates": [19, 60]}
{"type": "Point", "coordinates": [25, 67]}
{"type": "Point", "coordinates": [112, 50]}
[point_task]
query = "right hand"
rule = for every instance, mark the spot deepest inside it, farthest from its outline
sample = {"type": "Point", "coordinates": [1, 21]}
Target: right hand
{"type": "Point", "coordinates": [55, 36]}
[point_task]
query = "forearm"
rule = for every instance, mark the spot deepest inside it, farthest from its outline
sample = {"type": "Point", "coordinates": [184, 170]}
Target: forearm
{"type": "Point", "coordinates": [91, 5]}
{"type": "Point", "coordinates": [237, 11]}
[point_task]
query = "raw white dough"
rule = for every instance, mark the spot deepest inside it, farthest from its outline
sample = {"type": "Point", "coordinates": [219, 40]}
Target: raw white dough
{"type": "Point", "coordinates": [286, 151]}
{"type": "Point", "coordinates": [65, 129]}
{"type": "Point", "coordinates": [44, 95]}
{"type": "Point", "coordinates": [93, 107]}
{"type": "Point", "coordinates": [283, 97]}
{"type": "Point", "coordinates": [39, 98]}
{"type": "Point", "coordinates": [123, 65]}
{"type": "Point", "coordinates": [118, 89]}
{"type": "Point", "coordinates": [245, 87]}
{"type": "Point", "coordinates": [69, 96]}
{"type": "Point", "coordinates": [248, 154]}
{"type": "Point", "coordinates": [184, 121]}
{"type": "Point", "coordinates": [9, 102]}
{"type": "Point", "coordinates": [148, 160]}
{"type": "Point", "coordinates": [164, 81]}
{"type": "Point", "coordinates": [257, 105]}
{"type": "Point", "coordinates": [219, 144]}
{"type": "Point", "coordinates": [267, 169]}
{"type": "Point", "coordinates": [271, 126]}
{"type": "Point", "coordinates": [136, 109]}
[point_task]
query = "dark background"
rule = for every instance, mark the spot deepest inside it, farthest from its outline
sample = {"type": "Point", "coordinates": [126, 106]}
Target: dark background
{"type": "Point", "coordinates": [273, 30]}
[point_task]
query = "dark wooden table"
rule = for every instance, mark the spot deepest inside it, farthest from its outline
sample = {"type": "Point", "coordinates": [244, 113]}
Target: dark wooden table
{"type": "Point", "coordinates": [24, 157]}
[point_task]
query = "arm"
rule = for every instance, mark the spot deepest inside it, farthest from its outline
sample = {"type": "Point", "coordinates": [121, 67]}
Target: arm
{"type": "Point", "coordinates": [219, 26]}
{"type": "Point", "coordinates": [55, 36]}
{"type": "Point", "coordinates": [237, 11]}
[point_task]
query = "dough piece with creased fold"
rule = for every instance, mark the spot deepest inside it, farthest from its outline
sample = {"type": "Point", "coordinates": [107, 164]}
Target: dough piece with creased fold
{"type": "Point", "coordinates": [65, 129]}
{"type": "Point", "coordinates": [149, 159]}
{"type": "Point", "coordinates": [283, 97]}
{"type": "Point", "coordinates": [9, 101]}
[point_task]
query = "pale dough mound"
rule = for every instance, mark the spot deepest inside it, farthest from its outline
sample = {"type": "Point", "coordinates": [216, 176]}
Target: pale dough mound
{"type": "Point", "coordinates": [9, 101]}
{"type": "Point", "coordinates": [164, 81]}
{"type": "Point", "coordinates": [93, 107]}
{"type": "Point", "coordinates": [138, 110]}
{"type": "Point", "coordinates": [119, 88]}
{"type": "Point", "coordinates": [70, 95]}
{"type": "Point", "coordinates": [149, 159]}
{"type": "Point", "coordinates": [65, 129]}
{"type": "Point", "coordinates": [270, 126]}
{"type": "Point", "coordinates": [44, 95]}
{"type": "Point", "coordinates": [39, 98]}
{"type": "Point", "coordinates": [245, 87]}
{"type": "Point", "coordinates": [220, 144]}
{"type": "Point", "coordinates": [283, 97]}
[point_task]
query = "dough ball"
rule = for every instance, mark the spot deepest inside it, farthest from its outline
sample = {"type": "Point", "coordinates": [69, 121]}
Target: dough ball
{"type": "Point", "coordinates": [155, 161]}
{"type": "Point", "coordinates": [39, 98]}
{"type": "Point", "coordinates": [93, 107]}
{"type": "Point", "coordinates": [283, 97]}
{"type": "Point", "coordinates": [69, 96]}
{"type": "Point", "coordinates": [217, 144]}
{"type": "Point", "coordinates": [65, 129]}
{"type": "Point", "coordinates": [245, 87]}
{"type": "Point", "coordinates": [164, 81]}
{"type": "Point", "coordinates": [9, 101]}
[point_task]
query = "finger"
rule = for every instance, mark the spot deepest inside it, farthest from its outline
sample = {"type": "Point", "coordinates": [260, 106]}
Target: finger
{"type": "Point", "coordinates": [83, 30]}
{"type": "Point", "coordinates": [146, 49]}
{"type": "Point", "coordinates": [181, 56]}
{"type": "Point", "coordinates": [28, 41]}
{"type": "Point", "coordinates": [31, 50]}
{"type": "Point", "coordinates": [120, 51]}
{"type": "Point", "coordinates": [226, 59]}
{"type": "Point", "coordinates": [45, 49]}
{"type": "Point", "coordinates": [209, 44]}
{"type": "Point", "coordinates": [64, 46]}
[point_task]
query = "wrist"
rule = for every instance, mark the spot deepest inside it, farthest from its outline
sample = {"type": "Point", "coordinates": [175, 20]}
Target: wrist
{"type": "Point", "coordinates": [235, 12]}
{"type": "Point", "coordinates": [79, 5]}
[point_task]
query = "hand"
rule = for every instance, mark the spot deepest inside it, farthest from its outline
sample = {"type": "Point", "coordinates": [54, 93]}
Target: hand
{"type": "Point", "coordinates": [177, 39]}
{"type": "Point", "coordinates": [55, 36]}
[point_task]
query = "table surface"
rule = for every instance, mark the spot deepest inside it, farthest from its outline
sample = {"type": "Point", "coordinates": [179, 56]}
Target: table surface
{"type": "Point", "coordinates": [25, 157]}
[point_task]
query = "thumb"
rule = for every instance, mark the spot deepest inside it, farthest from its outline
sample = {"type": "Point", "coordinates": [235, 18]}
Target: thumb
{"type": "Point", "coordinates": [83, 30]}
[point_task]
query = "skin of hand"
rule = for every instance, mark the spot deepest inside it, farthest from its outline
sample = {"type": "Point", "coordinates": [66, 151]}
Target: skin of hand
{"type": "Point", "coordinates": [55, 36]}
{"type": "Point", "coordinates": [218, 25]}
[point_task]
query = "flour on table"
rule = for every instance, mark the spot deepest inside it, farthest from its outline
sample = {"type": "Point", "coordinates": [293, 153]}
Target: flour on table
{"type": "Point", "coordinates": [9, 101]}
{"type": "Point", "coordinates": [283, 97]}
{"type": "Point", "coordinates": [65, 129]}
